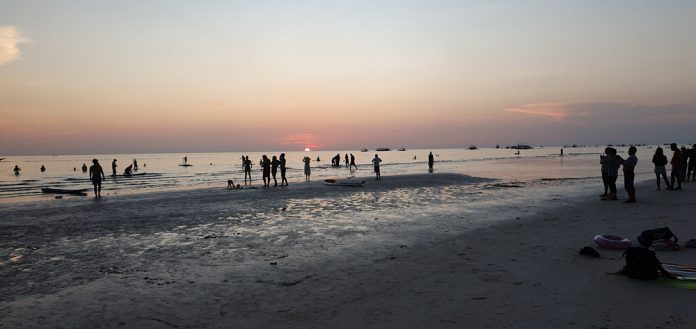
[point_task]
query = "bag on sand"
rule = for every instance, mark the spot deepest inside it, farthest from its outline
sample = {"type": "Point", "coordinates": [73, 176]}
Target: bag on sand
{"type": "Point", "coordinates": [647, 237]}
{"type": "Point", "coordinates": [641, 263]}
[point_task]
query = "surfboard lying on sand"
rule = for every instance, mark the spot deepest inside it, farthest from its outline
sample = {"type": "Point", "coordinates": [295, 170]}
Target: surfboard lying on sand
{"type": "Point", "coordinates": [333, 182]}
{"type": "Point", "coordinates": [63, 191]}
{"type": "Point", "coordinates": [681, 272]}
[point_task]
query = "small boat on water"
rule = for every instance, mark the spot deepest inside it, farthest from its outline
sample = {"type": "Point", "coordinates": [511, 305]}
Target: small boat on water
{"type": "Point", "coordinates": [363, 150]}
{"type": "Point", "coordinates": [383, 149]}
{"type": "Point", "coordinates": [402, 149]}
{"type": "Point", "coordinates": [521, 147]}
{"type": "Point", "coordinates": [473, 147]}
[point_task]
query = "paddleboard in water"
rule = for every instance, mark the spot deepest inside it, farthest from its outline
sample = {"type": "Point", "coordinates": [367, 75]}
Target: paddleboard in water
{"type": "Point", "coordinates": [63, 191]}
{"type": "Point", "coordinates": [186, 165]}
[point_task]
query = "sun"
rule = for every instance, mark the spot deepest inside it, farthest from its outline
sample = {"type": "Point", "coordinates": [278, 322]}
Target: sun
{"type": "Point", "coordinates": [307, 149]}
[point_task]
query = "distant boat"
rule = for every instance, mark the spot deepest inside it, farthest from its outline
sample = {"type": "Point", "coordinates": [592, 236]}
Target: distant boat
{"type": "Point", "coordinates": [383, 149]}
{"type": "Point", "coordinates": [473, 147]}
{"type": "Point", "coordinates": [497, 146]}
{"type": "Point", "coordinates": [363, 150]}
{"type": "Point", "coordinates": [402, 149]}
{"type": "Point", "coordinates": [521, 147]}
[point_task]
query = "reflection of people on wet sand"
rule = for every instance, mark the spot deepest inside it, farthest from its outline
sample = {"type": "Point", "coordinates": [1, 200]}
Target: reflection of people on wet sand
{"type": "Point", "coordinates": [231, 186]}
{"type": "Point", "coordinates": [307, 169]}
{"type": "Point", "coordinates": [113, 167]}
{"type": "Point", "coordinates": [16, 170]}
{"type": "Point", "coordinates": [282, 162]}
{"type": "Point", "coordinates": [96, 174]}
{"type": "Point", "coordinates": [660, 161]}
{"type": "Point", "coordinates": [128, 171]}
{"type": "Point", "coordinates": [431, 161]}
{"type": "Point", "coordinates": [376, 162]}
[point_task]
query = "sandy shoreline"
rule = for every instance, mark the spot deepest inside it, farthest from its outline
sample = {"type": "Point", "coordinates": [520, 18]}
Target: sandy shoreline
{"type": "Point", "coordinates": [409, 266]}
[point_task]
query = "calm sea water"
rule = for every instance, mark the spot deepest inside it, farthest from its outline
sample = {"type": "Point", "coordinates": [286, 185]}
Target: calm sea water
{"type": "Point", "coordinates": [161, 172]}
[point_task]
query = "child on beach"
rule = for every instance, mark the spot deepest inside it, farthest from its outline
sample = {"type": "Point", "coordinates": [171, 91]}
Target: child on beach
{"type": "Point", "coordinates": [660, 161]}
{"type": "Point", "coordinates": [629, 166]}
{"type": "Point", "coordinates": [376, 162]}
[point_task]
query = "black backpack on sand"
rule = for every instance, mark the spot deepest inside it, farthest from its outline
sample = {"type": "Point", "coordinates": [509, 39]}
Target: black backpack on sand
{"type": "Point", "coordinates": [647, 237]}
{"type": "Point", "coordinates": [641, 263]}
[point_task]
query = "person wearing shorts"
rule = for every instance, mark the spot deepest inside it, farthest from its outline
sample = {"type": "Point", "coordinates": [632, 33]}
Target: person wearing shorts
{"type": "Point", "coordinates": [96, 174]}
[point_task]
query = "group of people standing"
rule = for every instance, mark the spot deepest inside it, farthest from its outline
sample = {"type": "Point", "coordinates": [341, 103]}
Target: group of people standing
{"type": "Point", "coordinates": [611, 162]}
{"type": "Point", "coordinates": [683, 167]}
{"type": "Point", "coordinates": [270, 169]}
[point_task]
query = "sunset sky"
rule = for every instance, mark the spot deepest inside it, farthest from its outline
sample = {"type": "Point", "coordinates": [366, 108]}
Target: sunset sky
{"type": "Point", "coordinates": [187, 76]}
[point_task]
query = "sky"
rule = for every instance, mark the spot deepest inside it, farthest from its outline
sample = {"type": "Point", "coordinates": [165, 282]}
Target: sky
{"type": "Point", "coordinates": [81, 77]}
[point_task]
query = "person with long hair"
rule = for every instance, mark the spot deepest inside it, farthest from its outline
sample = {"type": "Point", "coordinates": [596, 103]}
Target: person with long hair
{"type": "Point", "coordinates": [660, 161]}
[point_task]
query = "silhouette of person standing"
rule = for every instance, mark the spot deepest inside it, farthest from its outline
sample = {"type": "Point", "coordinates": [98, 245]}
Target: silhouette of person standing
{"type": "Point", "coordinates": [629, 166]}
{"type": "Point", "coordinates": [266, 166]}
{"type": "Point", "coordinates": [431, 162]}
{"type": "Point", "coordinates": [135, 165]}
{"type": "Point", "coordinates": [676, 167]}
{"type": "Point", "coordinates": [376, 162]}
{"type": "Point", "coordinates": [16, 170]}
{"type": "Point", "coordinates": [660, 161]}
{"type": "Point", "coordinates": [307, 169]}
{"type": "Point", "coordinates": [274, 170]}
{"type": "Point", "coordinates": [96, 174]}
{"type": "Point", "coordinates": [352, 162]}
{"type": "Point", "coordinates": [282, 170]}
{"type": "Point", "coordinates": [84, 167]}
{"type": "Point", "coordinates": [185, 159]}
{"type": "Point", "coordinates": [247, 170]}
{"type": "Point", "coordinates": [113, 167]}
{"type": "Point", "coordinates": [346, 158]}
{"type": "Point", "coordinates": [692, 164]}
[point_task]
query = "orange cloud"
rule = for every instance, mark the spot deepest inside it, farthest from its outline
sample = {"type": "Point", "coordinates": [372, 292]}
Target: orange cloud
{"type": "Point", "coordinates": [553, 111]}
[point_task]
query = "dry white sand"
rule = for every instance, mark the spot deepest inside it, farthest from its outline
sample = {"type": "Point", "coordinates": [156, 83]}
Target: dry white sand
{"type": "Point", "coordinates": [317, 257]}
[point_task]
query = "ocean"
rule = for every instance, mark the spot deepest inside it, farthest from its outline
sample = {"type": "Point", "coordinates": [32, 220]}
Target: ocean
{"type": "Point", "coordinates": [162, 172]}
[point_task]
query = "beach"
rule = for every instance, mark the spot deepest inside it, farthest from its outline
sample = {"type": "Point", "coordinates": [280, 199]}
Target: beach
{"type": "Point", "coordinates": [400, 253]}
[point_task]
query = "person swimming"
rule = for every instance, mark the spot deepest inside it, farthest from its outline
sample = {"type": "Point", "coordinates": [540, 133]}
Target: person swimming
{"type": "Point", "coordinates": [43, 168]}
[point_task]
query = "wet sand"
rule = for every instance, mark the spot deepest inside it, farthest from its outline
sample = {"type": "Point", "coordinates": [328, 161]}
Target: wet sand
{"type": "Point", "coordinates": [401, 253]}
